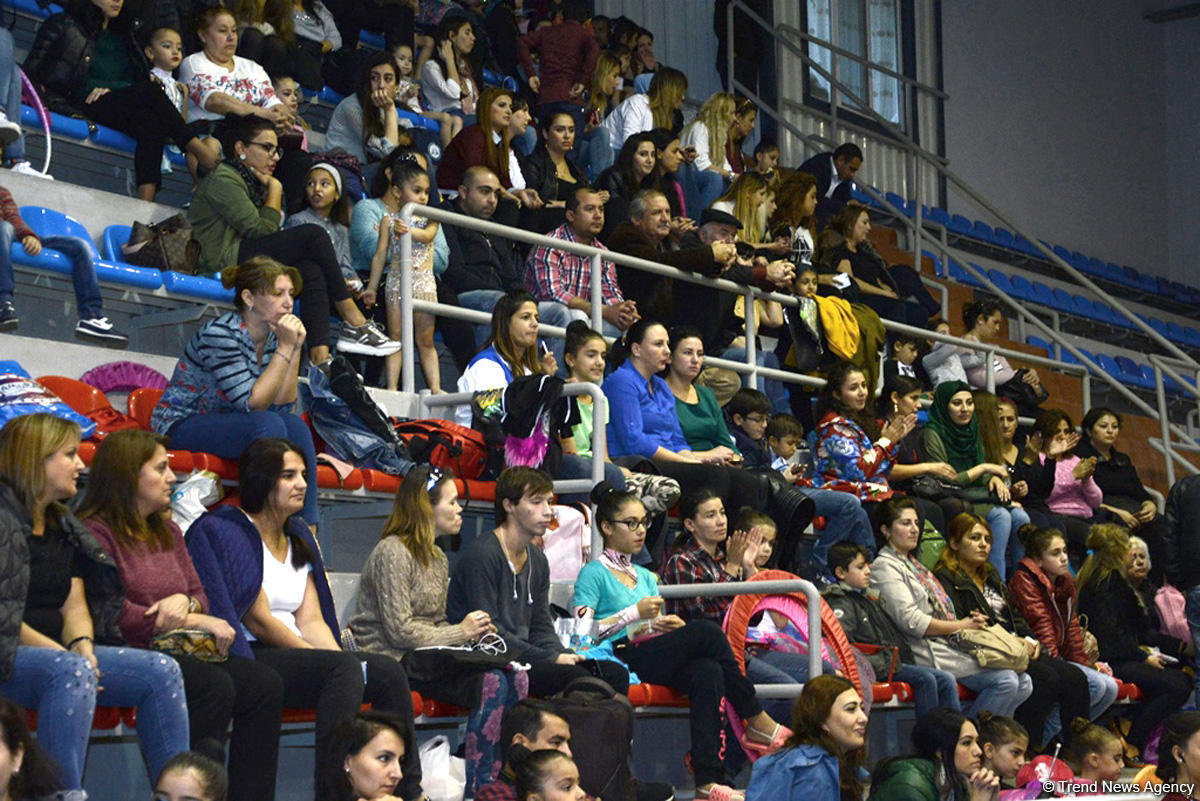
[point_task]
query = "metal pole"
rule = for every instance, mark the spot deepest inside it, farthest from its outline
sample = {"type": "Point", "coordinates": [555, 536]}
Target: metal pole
{"type": "Point", "coordinates": [596, 295]}
{"type": "Point", "coordinates": [1164, 424]}
{"type": "Point", "coordinates": [751, 332]}
{"type": "Point", "coordinates": [408, 370]}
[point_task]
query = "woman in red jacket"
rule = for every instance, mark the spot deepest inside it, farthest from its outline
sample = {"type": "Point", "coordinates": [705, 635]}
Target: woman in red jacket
{"type": "Point", "coordinates": [1043, 591]}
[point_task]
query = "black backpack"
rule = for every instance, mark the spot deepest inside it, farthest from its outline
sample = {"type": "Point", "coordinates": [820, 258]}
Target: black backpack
{"type": "Point", "coordinates": [601, 721]}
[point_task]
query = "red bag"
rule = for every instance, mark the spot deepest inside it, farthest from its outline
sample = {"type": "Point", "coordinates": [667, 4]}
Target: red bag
{"type": "Point", "coordinates": [442, 443]}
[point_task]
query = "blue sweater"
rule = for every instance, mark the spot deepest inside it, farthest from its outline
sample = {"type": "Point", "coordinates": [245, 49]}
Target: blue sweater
{"type": "Point", "coordinates": [227, 551]}
{"type": "Point", "coordinates": [640, 421]}
{"type": "Point", "coordinates": [807, 772]}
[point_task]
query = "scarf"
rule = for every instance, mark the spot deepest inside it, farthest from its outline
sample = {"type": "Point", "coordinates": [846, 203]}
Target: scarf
{"type": "Point", "coordinates": [256, 188]}
{"type": "Point", "coordinates": [964, 446]}
{"type": "Point", "coordinates": [943, 608]}
{"type": "Point", "coordinates": [620, 562]}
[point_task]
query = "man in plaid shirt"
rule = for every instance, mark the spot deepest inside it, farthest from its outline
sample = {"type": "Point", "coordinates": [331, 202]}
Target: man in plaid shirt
{"type": "Point", "coordinates": [556, 275]}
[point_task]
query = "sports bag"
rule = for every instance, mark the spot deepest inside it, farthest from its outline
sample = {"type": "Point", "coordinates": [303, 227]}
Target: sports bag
{"type": "Point", "coordinates": [446, 444]}
{"type": "Point", "coordinates": [601, 721]}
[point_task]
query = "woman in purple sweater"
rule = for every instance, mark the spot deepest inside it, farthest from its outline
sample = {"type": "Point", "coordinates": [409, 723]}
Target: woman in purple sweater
{"type": "Point", "coordinates": [129, 513]}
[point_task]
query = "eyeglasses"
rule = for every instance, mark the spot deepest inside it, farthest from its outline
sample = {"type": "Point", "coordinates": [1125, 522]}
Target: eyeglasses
{"type": "Point", "coordinates": [758, 419]}
{"type": "Point", "coordinates": [635, 523]}
{"type": "Point", "coordinates": [270, 150]}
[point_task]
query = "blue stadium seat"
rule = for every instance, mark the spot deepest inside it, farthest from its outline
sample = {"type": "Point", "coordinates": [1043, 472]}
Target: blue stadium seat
{"type": "Point", "coordinates": [372, 39]}
{"type": "Point", "coordinates": [1175, 332]}
{"type": "Point", "coordinates": [1113, 271]}
{"type": "Point", "coordinates": [1004, 238]}
{"type": "Point", "coordinates": [938, 269]}
{"type": "Point", "coordinates": [939, 216]}
{"type": "Point", "coordinates": [1027, 247]}
{"type": "Point", "coordinates": [1095, 267]}
{"type": "Point", "coordinates": [1062, 300]}
{"type": "Point", "coordinates": [1038, 342]}
{"type": "Point", "coordinates": [196, 286]}
{"type": "Point", "coordinates": [1109, 365]}
{"type": "Point", "coordinates": [70, 127]}
{"type": "Point", "coordinates": [960, 225]}
{"type": "Point", "coordinates": [1191, 336]}
{"type": "Point", "coordinates": [960, 274]}
{"type": "Point", "coordinates": [903, 205]}
{"type": "Point", "coordinates": [981, 231]}
{"type": "Point", "coordinates": [1105, 313]}
{"type": "Point", "coordinates": [1082, 307]}
{"type": "Point", "coordinates": [418, 120]}
{"type": "Point", "coordinates": [115, 236]}
{"type": "Point", "coordinates": [1130, 372]}
{"type": "Point", "coordinates": [32, 8]}
{"type": "Point", "coordinates": [49, 222]}
{"type": "Point", "coordinates": [1062, 253]}
{"type": "Point", "coordinates": [1158, 325]}
{"type": "Point", "coordinates": [1001, 281]}
{"type": "Point", "coordinates": [1043, 295]}
{"type": "Point", "coordinates": [1022, 289]}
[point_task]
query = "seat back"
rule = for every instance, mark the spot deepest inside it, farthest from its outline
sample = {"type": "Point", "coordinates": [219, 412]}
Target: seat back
{"type": "Point", "coordinates": [50, 222]}
{"type": "Point", "coordinates": [114, 237]}
{"type": "Point", "coordinates": [141, 404]}
{"type": "Point", "coordinates": [81, 397]}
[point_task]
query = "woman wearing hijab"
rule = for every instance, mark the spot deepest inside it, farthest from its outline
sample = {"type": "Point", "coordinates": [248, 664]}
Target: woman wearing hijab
{"type": "Point", "coordinates": [952, 436]}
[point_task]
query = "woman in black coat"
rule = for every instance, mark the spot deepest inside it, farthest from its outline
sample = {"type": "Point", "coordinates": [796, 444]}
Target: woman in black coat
{"type": "Point", "coordinates": [88, 61]}
{"type": "Point", "coordinates": [550, 172]}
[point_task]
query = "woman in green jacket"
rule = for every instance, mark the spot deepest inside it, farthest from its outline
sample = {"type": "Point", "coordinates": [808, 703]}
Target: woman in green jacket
{"type": "Point", "coordinates": [948, 765]}
{"type": "Point", "coordinates": [236, 213]}
{"type": "Point", "coordinates": [952, 436]}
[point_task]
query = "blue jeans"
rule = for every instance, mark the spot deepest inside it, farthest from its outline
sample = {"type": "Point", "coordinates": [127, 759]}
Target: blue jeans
{"type": "Point", "coordinates": [998, 691]}
{"type": "Point", "coordinates": [549, 312]}
{"type": "Point", "coordinates": [700, 188]}
{"type": "Point", "coordinates": [83, 269]}
{"type": "Point", "coordinates": [62, 687]}
{"type": "Point", "coordinates": [13, 151]}
{"type": "Point", "coordinates": [1004, 521]}
{"type": "Point", "coordinates": [931, 687]}
{"type": "Point", "coordinates": [574, 467]}
{"type": "Point", "coordinates": [772, 388]}
{"type": "Point", "coordinates": [593, 152]}
{"type": "Point", "coordinates": [845, 519]}
{"type": "Point", "coordinates": [228, 433]}
{"type": "Point", "coordinates": [779, 667]}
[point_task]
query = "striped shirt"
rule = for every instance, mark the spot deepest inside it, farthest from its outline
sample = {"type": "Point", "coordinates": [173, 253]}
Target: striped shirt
{"type": "Point", "coordinates": [556, 275]}
{"type": "Point", "coordinates": [216, 374]}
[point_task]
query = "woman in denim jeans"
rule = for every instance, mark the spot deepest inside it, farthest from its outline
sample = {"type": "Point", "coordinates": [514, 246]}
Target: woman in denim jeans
{"type": "Point", "coordinates": [56, 642]}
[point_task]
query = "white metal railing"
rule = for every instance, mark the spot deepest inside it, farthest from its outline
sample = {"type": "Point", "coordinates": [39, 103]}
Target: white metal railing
{"type": "Point", "coordinates": [915, 224]}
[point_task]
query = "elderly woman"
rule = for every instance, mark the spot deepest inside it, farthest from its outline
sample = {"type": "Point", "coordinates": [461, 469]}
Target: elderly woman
{"type": "Point", "coordinates": [236, 381]}
{"type": "Point", "coordinates": [88, 60]}
{"type": "Point", "coordinates": [236, 215]}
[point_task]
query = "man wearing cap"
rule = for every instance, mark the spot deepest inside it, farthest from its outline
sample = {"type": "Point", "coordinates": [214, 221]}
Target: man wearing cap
{"type": "Point", "coordinates": [644, 235]}
{"type": "Point", "coordinates": [556, 275]}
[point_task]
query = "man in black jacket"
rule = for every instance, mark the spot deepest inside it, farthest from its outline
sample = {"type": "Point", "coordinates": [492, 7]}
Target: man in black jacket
{"type": "Point", "coordinates": [483, 267]}
{"type": "Point", "coordinates": [835, 178]}
{"type": "Point", "coordinates": [1181, 548]}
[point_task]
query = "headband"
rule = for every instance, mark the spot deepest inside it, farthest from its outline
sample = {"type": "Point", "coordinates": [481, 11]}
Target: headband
{"type": "Point", "coordinates": [332, 170]}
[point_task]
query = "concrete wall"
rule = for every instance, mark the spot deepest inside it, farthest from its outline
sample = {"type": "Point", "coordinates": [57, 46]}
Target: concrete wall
{"type": "Point", "coordinates": [1059, 114]}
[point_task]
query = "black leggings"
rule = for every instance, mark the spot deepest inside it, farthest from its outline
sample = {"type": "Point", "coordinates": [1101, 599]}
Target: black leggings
{"type": "Point", "coordinates": [142, 111]}
{"type": "Point", "coordinates": [308, 249]}
{"type": "Point", "coordinates": [696, 660]}
{"type": "Point", "coordinates": [332, 683]}
{"type": "Point", "coordinates": [1164, 690]}
{"type": "Point", "coordinates": [1054, 682]}
{"type": "Point", "coordinates": [249, 693]}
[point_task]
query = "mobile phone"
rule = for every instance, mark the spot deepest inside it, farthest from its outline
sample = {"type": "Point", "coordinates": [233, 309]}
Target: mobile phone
{"type": "Point", "coordinates": [543, 348]}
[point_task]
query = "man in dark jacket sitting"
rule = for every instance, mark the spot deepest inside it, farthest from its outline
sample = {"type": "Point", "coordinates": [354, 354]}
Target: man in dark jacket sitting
{"type": "Point", "coordinates": [868, 626]}
{"type": "Point", "coordinates": [481, 267]}
{"type": "Point", "coordinates": [1181, 548]}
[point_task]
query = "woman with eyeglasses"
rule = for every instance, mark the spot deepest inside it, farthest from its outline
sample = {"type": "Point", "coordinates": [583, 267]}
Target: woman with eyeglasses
{"type": "Point", "coordinates": [692, 657]}
{"type": "Point", "coordinates": [236, 213]}
{"type": "Point", "coordinates": [401, 606]}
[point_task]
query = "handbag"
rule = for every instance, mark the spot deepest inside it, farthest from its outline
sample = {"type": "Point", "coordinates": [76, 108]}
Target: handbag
{"type": "Point", "coordinates": [994, 648]}
{"type": "Point", "coordinates": [196, 643]}
{"type": "Point", "coordinates": [1091, 646]}
{"type": "Point", "coordinates": [165, 245]}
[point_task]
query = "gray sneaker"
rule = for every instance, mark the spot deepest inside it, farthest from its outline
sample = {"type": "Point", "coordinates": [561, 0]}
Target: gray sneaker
{"type": "Point", "coordinates": [367, 340]}
{"type": "Point", "coordinates": [102, 332]}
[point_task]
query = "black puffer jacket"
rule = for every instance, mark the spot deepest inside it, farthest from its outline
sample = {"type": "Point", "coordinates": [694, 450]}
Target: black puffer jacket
{"type": "Point", "coordinates": [1181, 546]}
{"type": "Point", "coordinates": [102, 580]}
{"type": "Point", "coordinates": [61, 55]}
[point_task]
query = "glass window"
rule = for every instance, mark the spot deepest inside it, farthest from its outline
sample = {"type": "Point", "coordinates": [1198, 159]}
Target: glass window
{"type": "Point", "coordinates": [871, 30]}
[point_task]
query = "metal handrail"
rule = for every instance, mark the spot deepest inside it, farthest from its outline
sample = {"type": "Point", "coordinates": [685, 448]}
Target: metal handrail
{"type": "Point", "coordinates": [914, 224]}
{"type": "Point", "coordinates": [825, 44]}
{"type": "Point", "coordinates": [597, 257]}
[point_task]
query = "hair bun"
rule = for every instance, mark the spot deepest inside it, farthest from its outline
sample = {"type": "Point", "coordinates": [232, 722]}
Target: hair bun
{"type": "Point", "coordinates": [229, 276]}
{"type": "Point", "coordinates": [600, 491]}
{"type": "Point", "coordinates": [578, 327]}
{"type": "Point", "coordinates": [517, 754]}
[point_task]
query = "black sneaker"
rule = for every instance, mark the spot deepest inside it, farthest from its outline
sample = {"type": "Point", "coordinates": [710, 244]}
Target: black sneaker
{"type": "Point", "coordinates": [102, 332]}
{"type": "Point", "coordinates": [653, 791]}
{"type": "Point", "coordinates": [8, 316]}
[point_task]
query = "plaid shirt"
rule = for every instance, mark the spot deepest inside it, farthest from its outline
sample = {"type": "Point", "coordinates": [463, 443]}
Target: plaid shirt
{"type": "Point", "coordinates": [553, 274]}
{"type": "Point", "coordinates": [693, 565]}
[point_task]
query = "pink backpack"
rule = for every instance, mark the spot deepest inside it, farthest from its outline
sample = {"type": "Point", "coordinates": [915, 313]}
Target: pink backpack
{"type": "Point", "coordinates": [1172, 612]}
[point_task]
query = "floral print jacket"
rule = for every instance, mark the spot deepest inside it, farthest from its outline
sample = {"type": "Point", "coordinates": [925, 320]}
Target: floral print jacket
{"type": "Point", "coordinates": [848, 461]}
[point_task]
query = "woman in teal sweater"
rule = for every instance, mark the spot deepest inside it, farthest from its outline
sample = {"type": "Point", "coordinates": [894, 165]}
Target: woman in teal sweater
{"type": "Point", "coordinates": [699, 413]}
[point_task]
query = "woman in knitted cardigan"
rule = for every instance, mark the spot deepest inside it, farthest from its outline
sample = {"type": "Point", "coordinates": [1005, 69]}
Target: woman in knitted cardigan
{"type": "Point", "coordinates": [401, 606]}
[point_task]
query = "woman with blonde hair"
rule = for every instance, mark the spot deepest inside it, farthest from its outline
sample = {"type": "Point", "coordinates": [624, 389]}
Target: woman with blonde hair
{"type": "Point", "coordinates": [707, 136]}
{"type": "Point", "coordinates": [401, 607]}
{"type": "Point", "coordinates": [61, 597]}
{"type": "Point", "coordinates": [658, 108]}
{"type": "Point", "coordinates": [593, 150]}
{"type": "Point", "coordinates": [1135, 652]}
{"type": "Point", "coordinates": [744, 199]}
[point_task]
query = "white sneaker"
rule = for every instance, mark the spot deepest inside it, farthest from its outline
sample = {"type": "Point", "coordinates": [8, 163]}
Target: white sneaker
{"type": "Point", "coordinates": [25, 168]}
{"type": "Point", "coordinates": [101, 331]}
{"type": "Point", "coordinates": [9, 130]}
